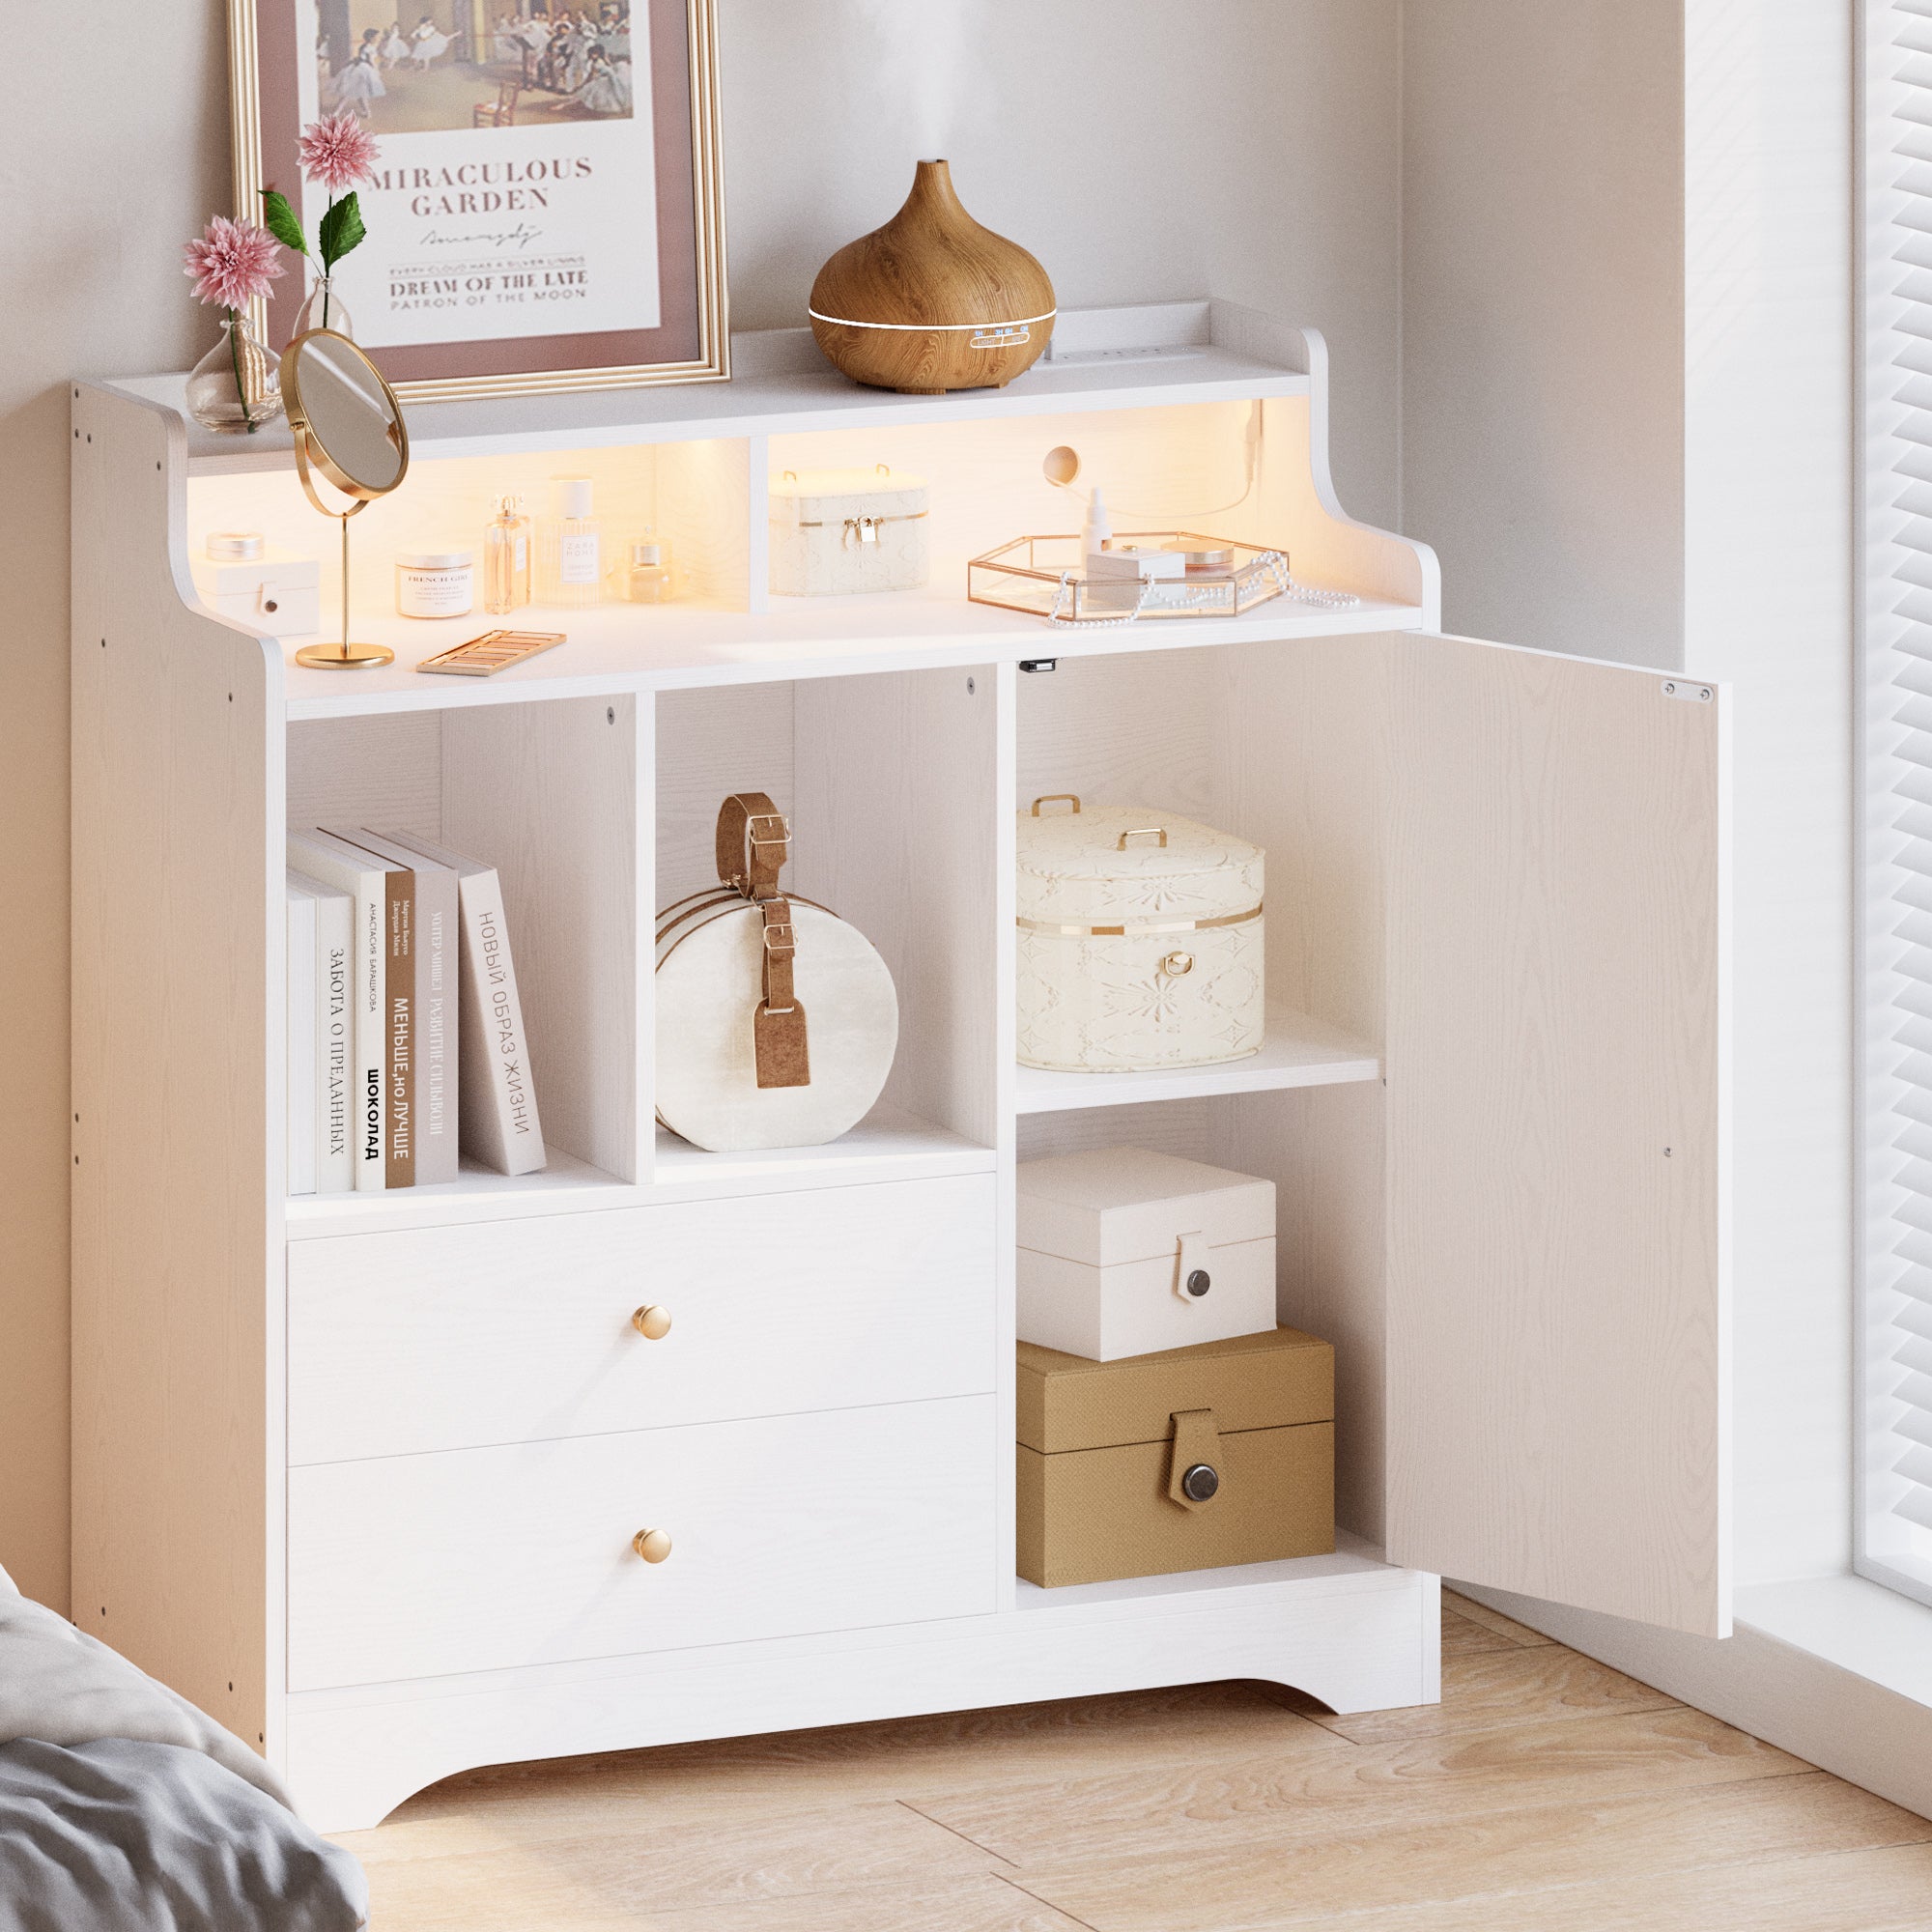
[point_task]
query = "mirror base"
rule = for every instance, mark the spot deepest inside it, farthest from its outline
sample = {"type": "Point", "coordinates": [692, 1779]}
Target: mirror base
{"type": "Point", "coordinates": [344, 657]}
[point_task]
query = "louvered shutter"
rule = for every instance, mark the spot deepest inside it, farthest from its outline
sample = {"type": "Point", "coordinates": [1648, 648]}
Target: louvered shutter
{"type": "Point", "coordinates": [1897, 1541]}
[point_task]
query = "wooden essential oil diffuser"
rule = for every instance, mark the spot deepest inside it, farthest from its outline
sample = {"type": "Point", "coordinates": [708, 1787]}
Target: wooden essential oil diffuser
{"type": "Point", "coordinates": [932, 301]}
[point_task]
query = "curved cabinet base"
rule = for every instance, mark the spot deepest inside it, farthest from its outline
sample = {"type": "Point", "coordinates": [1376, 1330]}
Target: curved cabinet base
{"type": "Point", "coordinates": [1346, 1629]}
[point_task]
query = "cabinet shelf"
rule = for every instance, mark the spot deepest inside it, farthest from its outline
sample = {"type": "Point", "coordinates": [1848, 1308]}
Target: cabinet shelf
{"type": "Point", "coordinates": [619, 648]}
{"type": "Point", "coordinates": [1360, 1562]}
{"type": "Point", "coordinates": [1297, 1051]}
{"type": "Point", "coordinates": [888, 1145]}
{"type": "Point", "coordinates": [566, 1185]}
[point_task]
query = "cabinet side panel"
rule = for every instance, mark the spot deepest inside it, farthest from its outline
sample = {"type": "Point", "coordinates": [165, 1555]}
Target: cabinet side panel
{"type": "Point", "coordinates": [177, 1078]}
{"type": "Point", "coordinates": [1558, 1321]}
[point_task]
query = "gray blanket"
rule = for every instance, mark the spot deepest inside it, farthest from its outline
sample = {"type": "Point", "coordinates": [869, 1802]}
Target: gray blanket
{"type": "Point", "coordinates": [124, 1808]}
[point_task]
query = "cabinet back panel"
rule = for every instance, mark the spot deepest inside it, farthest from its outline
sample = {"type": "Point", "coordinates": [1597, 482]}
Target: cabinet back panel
{"type": "Point", "coordinates": [734, 737]}
{"type": "Point", "coordinates": [384, 771]}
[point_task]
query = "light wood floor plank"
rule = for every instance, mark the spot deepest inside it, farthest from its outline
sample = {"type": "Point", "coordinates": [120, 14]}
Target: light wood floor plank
{"type": "Point", "coordinates": [1183, 1805]}
{"type": "Point", "coordinates": [1492, 1621]}
{"type": "Point", "coordinates": [1461, 1638]}
{"type": "Point", "coordinates": [1889, 1891]}
{"type": "Point", "coordinates": [507, 1873]}
{"type": "Point", "coordinates": [966, 1905]}
{"type": "Point", "coordinates": [1325, 1881]}
{"type": "Point", "coordinates": [1513, 1686]}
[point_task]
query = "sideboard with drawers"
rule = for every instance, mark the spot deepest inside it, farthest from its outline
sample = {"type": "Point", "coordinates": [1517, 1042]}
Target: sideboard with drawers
{"type": "Point", "coordinates": [659, 1444]}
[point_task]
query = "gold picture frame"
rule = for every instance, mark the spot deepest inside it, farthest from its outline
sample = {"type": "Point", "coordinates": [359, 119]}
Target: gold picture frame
{"type": "Point", "coordinates": [278, 83]}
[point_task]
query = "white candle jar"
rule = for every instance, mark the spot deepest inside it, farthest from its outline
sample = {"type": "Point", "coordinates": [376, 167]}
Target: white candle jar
{"type": "Point", "coordinates": [435, 583]}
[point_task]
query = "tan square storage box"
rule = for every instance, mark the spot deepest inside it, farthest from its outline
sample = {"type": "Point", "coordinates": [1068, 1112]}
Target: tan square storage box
{"type": "Point", "coordinates": [1185, 1459]}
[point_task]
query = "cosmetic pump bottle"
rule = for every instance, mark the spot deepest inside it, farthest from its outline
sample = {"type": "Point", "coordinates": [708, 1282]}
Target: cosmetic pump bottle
{"type": "Point", "coordinates": [572, 560]}
{"type": "Point", "coordinates": [506, 558]}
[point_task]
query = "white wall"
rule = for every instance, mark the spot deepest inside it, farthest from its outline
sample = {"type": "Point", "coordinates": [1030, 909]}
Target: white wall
{"type": "Point", "coordinates": [1542, 318]}
{"type": "Point", "coordinates": [1268, 177]}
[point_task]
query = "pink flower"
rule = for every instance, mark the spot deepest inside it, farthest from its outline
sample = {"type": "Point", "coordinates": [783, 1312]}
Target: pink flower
{"type": "Point", "coordinates": [232, 263]}
{"type": "Point", "coordinates": [338, 152]}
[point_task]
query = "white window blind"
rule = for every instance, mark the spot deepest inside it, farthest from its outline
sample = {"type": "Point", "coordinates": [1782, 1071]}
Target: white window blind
{"type": "Point", "coordinates": [1895, 1543]}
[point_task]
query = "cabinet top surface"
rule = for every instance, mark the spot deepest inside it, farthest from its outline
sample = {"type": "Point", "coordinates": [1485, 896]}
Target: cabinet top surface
{"type": "Point", "coordinates": [1100, 358]}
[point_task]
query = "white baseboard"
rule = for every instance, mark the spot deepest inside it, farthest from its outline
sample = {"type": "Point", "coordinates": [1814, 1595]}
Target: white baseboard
{"type": "Point", "coordinates": [1835, 1671]}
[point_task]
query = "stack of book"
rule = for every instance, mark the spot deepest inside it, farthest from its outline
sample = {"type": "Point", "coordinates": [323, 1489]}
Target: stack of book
{"type": "Point", "coordinates": [406, 1035]}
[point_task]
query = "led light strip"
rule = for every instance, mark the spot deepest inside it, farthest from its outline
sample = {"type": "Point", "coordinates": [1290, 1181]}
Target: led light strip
{"type": "Point", "coordinates": [930, 328]}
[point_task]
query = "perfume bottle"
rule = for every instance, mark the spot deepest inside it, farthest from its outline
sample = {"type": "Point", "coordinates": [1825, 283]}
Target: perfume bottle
{"type": "Point", "coordinates": [647, 571]}
{"type": "Point", "coordinates": [571, 554]}
{"type": "Point", "coordinates": [506, 558]}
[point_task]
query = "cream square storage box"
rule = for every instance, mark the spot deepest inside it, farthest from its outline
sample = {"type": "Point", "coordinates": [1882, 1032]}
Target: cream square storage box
{"type": "Point", "coordinates": [838, 532]}
{"type": "Point", "coordinates": [1124, 1251]}
{"type": "Point", "coordinates": [1141, 939]}
{"type": "Point", "coordinates": [260, 585]}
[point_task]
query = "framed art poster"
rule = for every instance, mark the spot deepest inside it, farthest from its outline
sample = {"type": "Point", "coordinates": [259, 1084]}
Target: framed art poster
{"type": "Point", "coordinates": [545, 208]}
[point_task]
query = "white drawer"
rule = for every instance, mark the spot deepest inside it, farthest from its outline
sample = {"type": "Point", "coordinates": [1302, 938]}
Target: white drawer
{"type": "Point", "coordinates": [483, 1559]}
{"type": "Point", "coordinates": [444, 1338]}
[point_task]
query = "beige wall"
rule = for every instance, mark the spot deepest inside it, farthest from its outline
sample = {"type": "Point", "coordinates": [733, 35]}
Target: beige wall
{"type": "Point", "coordinates": [1543, 318]}
{"type": "Point", "coordinates": [1269, 177]}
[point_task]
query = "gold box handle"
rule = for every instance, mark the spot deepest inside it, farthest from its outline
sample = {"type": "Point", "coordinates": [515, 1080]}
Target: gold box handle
{"type": "Point", "coordinates": [1142, 832]}
{"type": "Point", "coordinates": [1055, 798]}
{"type": "Point", "coordinates": [652, 1321]}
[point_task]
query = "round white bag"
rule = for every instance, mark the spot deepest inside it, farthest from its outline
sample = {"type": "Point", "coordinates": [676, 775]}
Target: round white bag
{"type": "Point", "coordinates": [777, 1022]}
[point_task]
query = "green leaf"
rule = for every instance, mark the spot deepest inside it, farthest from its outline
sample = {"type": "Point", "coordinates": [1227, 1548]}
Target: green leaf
{"type": "Point", "coordinates": [279, 219]}
{"type": "Point", "coordinates": [341, 229]}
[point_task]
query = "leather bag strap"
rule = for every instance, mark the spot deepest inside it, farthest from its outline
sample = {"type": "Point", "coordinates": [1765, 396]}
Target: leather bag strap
{"type": "Point", "coordinates": [754, 842]}
{"type": "Point", "coordinates": [778, 1028]}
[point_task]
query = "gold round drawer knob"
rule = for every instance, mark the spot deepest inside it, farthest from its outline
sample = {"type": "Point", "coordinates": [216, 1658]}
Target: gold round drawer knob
{"type": "Point", "coordinates": [652, 1321]}
{"type": "Point", "coordinates": [1177, 963]}
{"type": "Point", "coordinates": [652, 1544]}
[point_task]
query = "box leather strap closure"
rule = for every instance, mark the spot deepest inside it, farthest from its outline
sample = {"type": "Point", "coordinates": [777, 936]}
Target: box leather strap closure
{"type": "Point", "coordinates": [753, 844]}
{"type": "Point", "coordinates": [1194, 1465]}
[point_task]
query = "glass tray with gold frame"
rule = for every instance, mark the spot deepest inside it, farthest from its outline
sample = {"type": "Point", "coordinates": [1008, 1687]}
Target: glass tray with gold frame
{"type": "Point", "coordinates": [1045, 576]}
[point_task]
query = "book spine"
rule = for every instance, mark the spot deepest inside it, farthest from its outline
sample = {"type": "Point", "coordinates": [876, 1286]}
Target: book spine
{"type": "Point", "coordinates": [437, 1048]}
{"type": "Point", "coordinates": [399, 1008]}
{"type": "Point", "coordinates": [335, 1167]}
{"type": "Point", "coordinates": [371, 1091]}
{"type": "Point", "coordinates": [500, 1109]}
{"type": "Point", "coordinates": [301, 1025]}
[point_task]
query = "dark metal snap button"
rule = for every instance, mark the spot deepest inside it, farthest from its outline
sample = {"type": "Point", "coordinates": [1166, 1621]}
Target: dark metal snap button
{"type": "Point", "coordinates": [1200, 1482]}
{"type": "Point", "coordinates": [1198, 1282]}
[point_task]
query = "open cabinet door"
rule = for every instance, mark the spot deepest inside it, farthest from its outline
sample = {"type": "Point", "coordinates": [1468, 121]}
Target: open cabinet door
{"type": "Point", "coordinates": [1558, 1351]}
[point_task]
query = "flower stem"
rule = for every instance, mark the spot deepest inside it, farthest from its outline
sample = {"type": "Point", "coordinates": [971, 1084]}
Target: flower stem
{"type": "Point", "coordinates": [235, 356]}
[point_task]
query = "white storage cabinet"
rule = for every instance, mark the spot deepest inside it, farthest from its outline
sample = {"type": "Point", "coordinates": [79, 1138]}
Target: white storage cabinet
{"type": "Point", "coordinates": [361, 1474]}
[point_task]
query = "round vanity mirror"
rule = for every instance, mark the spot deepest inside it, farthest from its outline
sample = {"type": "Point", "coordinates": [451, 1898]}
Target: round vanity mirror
{"type": "Point", "coordinates": [346, 420]}
{"type": "Point", "coordinates": [348, 427]}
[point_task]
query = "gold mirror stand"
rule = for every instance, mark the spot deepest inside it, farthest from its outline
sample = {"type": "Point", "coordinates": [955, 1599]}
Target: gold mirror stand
{"type": "Point", "coordinates": [345, 656]}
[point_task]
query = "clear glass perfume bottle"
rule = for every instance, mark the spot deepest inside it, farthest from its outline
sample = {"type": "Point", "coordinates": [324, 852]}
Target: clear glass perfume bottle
{"type": "Point", "coordinates": [506, 558]}
{"type": "Point", "coordinates": [570, 554]}
{"type": "Point", "coordinates": [648, 576]}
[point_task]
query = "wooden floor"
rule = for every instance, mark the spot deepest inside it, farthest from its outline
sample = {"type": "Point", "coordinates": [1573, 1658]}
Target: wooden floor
{"type": "Point", "coordinates": [1545, 1794]}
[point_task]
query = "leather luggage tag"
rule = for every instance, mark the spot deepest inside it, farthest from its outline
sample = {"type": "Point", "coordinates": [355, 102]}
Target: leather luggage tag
{"type": "Point", "coordinates": [753, 840]}
{"type": "Point", "coordinates": [778, 1026]}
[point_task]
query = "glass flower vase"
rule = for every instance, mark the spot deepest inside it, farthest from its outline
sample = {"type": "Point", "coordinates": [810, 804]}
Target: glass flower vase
{"type": "Point", "coordinates": [324, 309]}
{"type": "Point", "coordinates": [236, 387]}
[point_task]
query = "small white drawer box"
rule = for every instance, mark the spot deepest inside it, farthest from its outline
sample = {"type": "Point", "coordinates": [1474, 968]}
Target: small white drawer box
{"type": "Point", "coordinates": [1124, 1251]}
{"type": "Point", "coordinates": [262, 586]}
